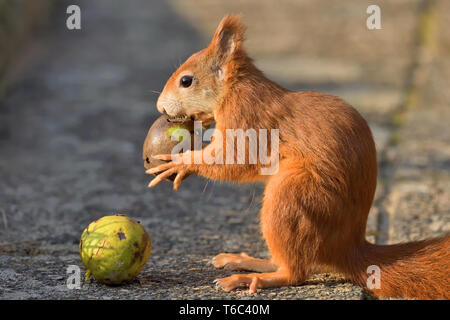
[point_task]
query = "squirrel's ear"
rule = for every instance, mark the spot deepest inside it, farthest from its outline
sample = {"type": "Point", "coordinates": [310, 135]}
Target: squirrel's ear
{"type": "Point", "coordinates": [228, 38]}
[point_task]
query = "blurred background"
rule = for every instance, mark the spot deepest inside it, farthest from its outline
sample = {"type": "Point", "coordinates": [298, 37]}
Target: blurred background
{"type": "Point", "coordinates": [75, 107]}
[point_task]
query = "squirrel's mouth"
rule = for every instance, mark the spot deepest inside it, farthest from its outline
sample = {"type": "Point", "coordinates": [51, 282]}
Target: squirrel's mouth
{"type": "Point", "coordinates": [181, 118]}
{"type": "Point", "coordinates": [203, 117]}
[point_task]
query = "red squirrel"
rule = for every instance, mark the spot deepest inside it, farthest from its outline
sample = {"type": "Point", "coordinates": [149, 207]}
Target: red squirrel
{"type": "Point", "coordinates": [315, 207]}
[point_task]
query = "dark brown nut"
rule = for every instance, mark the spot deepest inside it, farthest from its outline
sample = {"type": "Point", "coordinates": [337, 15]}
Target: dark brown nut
{"type": "Point", "coordinates": [159, 140]}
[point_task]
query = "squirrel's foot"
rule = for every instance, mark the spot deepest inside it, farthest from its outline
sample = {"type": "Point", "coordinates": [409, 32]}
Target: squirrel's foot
{"type": "Point", "coordinates": [165, 170]}
{"type": "Point", "coordinates": [242, 261]}
{"type": "Point", "coordinates": [254, 281]}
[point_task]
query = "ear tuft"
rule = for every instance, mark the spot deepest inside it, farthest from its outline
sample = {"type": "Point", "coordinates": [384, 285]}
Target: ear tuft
{"type": "Point", "coordinates": [228, 37]}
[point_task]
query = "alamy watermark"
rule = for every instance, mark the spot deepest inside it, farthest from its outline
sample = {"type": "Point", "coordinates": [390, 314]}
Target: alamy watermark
{"type": "Point", "coordinates": [74, 277]}
{"type": "Point", "coordinates": [73, 21]}
{"type": "Point", "coordinates": [373, 22]}
{"type": "Point", "coordinates": [251, 147]}
{"type": "Point", "coordinates": [374, 279]}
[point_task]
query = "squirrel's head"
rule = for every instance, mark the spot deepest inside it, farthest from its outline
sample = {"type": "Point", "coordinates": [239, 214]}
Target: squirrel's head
{"type": "Point", "coordinates": [197, 86]}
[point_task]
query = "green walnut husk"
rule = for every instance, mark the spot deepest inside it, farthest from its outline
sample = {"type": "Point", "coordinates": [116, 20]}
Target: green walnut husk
{"type": "Point", "coordinates": [114, 249]}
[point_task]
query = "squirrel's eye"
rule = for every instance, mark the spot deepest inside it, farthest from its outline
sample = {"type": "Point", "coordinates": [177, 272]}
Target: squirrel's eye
{"type": "Point", "coordinates": [186, 81]}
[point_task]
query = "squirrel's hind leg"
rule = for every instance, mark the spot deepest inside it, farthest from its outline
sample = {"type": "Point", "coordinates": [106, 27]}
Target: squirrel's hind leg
{"type": "Point", "coordinates": [242, 261]}
{"type": "Point", "coordinates": [289, 235]}
{"type": "Point", "coordinates": [255, 281]}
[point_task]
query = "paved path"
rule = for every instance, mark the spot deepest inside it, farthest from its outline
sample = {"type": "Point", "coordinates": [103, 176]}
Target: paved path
{"type": "Point", "coordinates": [81, 108]}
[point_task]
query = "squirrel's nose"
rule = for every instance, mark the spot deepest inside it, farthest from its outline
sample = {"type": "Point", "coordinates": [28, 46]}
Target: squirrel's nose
{"type": "Point", "coordinates": [160, 107]}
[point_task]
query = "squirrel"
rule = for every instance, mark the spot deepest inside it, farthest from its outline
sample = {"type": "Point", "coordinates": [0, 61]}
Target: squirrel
{"type": "Point", "coordinates": [315, 207]}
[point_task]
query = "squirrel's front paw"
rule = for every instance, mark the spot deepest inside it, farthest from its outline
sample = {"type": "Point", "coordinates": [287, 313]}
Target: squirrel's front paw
{"type": "Point", "coordinates": [167, 169]}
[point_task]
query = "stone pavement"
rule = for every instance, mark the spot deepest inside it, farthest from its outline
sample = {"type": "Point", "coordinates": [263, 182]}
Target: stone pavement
{"type": "Point", "coordinates": [79, 112]}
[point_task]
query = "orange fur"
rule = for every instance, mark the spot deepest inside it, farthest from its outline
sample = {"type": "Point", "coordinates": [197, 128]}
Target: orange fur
{"type": "Point", "coordinates": [315, 207]}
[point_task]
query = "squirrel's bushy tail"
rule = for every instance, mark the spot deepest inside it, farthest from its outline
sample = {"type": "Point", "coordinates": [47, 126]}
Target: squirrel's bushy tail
{"type": "Point", "coordinates": [418, 270]}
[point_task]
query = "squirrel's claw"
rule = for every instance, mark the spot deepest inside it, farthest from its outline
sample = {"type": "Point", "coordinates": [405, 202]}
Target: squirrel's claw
{"type": "Point", "coordinates": [164, 157]}
{"type": "Point", "coordinates": [177, 182]}
{"type": "Point", "coordinates": [165, 170]}
{"type": "Point", "coordinates": [161, 177]}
